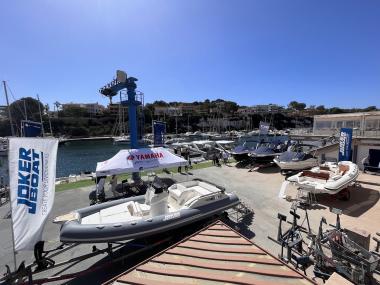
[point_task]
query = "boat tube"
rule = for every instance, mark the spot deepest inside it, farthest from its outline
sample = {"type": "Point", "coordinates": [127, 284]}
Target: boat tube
{"type": "Point", "coordinates": [329, 178]}
{"type": "Point", "coordinates": [159, 210]}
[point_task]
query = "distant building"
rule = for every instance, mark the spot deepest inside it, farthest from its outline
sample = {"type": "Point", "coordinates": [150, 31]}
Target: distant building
{"type": "Point", "coordinates": [91, 108]}
{"type": "Point", "coordinates": [115, 108]}
{"type": "Point", "coordinates": [366, 124]}
{"type": "Point", "coordinates": [260, 109]}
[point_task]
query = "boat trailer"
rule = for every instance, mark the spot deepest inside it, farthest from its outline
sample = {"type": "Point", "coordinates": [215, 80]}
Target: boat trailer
{"type": "Point", "coordinates": [329, 251]}
{"type": "Point", "coordinates": [291, 240]}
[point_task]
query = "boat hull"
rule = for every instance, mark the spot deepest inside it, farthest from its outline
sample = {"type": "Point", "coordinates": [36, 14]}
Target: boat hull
{"type": "Point", "coordinates": [296, 165]}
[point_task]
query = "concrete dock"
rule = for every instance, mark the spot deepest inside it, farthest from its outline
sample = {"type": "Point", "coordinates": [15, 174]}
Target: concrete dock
{"type": "Point", "coordinates": [258, 189]}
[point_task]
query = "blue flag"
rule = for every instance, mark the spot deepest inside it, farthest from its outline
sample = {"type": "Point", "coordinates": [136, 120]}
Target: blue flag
{"type": "Point", "coordinates": [345, 142]}
{"type": "Point", "coordinates": [159, 129]}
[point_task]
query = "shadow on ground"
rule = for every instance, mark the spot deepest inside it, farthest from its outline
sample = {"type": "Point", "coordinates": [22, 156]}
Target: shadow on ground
{"type": "Point", "coordinates": [242, 226]}
{"type": "Point", "coordinates": [362, 199]}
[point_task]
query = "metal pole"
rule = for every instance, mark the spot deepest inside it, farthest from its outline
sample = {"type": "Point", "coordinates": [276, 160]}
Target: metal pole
{"type": "Point", "coordinates": [26, 115]}
{"type": "Point", "coordinates": [132, 107]}
{"type": "Point", "coordinates": [10, 208]}
{"type": "Point", "coordinates": [39, 109]}
{"type": "Point", "coordinates": [51, 130]}
{"type": "Point", "coordinates": [176, 125]}
{"type": "Point", "coordinates": [9, 110]}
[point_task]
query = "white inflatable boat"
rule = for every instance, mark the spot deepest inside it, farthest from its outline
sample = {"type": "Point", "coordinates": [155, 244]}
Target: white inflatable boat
{"type": "Point", "coordinates": [161, 209]}
{"type": "Point", "coordinates": [328, 178]}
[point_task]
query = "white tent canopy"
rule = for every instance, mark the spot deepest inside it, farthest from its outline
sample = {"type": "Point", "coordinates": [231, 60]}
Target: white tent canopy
{"type": "Point", "coordinates": [135, 160]}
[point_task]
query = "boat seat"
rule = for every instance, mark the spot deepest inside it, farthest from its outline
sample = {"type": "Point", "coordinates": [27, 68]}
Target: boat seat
{"type": "Point", "coordinates": [200, 190]}
{"type": "Point", "coordinates": [186, 196]}
{"type": "Point", "coordinates": [143, 209]}
{"type": "Point", "coordinates": [343, 169]}
{"type": "Point", "coordinates": [318, 175]}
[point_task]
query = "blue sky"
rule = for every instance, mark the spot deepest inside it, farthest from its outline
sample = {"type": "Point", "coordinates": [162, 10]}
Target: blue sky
{"type": "Point", "coordinates": [252, 52]}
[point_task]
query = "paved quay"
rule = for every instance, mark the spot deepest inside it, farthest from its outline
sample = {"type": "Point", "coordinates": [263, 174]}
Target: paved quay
{"type": "Point", "coordinates": [258, 189]}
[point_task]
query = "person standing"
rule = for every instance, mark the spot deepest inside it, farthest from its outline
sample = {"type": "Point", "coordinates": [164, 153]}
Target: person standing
{"type": "Point", "coordinates": [100, 194]}
{"type": "Point", "coordinates": [186, 156]}
{"type": "Point", "coordinates": [113, 184]}
{"type": "Point", "coordinates": [225, 157]}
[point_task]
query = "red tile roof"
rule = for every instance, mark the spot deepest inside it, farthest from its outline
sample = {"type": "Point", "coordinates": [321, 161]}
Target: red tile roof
{"type": "Point", "coordinates": [215, 255]}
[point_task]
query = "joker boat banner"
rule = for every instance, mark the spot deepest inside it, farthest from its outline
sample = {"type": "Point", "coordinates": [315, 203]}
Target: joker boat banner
{"type": "Point", "coordinates": [32, 164]}
{"type": "Point", "coordinates": [345, 142]}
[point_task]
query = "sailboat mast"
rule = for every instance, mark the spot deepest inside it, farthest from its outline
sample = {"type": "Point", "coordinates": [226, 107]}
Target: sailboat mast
{"type": "Point", "coordinates": [39, 109]}
{"type": "Point", "coordinates": [9, 109]}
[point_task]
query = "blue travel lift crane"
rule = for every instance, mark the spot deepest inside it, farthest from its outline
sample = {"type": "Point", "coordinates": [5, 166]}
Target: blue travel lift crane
{"type": "Point", "coordinates": [111, 89]}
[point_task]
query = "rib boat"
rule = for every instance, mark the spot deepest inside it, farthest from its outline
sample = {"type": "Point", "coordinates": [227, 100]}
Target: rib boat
{"type": "Point", "coordinates": [329, 178]}
{"type": "Point", "coordinates": [159, 210]}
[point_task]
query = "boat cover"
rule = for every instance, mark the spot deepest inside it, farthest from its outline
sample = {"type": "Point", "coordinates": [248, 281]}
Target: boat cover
{"type": "Point", "coordinates": [135, 160]}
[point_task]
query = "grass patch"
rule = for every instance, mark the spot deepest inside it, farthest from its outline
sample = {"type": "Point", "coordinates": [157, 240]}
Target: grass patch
{"type": "Point", "coordinates": [86, 183]}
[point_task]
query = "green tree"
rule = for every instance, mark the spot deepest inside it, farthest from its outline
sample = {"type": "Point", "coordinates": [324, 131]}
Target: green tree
{"type": "Point", "coordinates": [370, 108]}
{"type": "Point", "coordinates": [74, 111]}
{"type": "Point", "coordinates": [25, 108]}
{"type": "Point", "coordinates": [294, 105]}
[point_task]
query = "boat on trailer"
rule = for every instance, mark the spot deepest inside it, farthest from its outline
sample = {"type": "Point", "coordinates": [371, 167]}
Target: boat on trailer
{"type": "Point", "coordinates": [329, 178]}
{"type": "Point", "coordinates": [266, 152]}
{"type": "Point", "coordinates": [297, 158]}
{"type": "Point", "coordinates": [159, 210]}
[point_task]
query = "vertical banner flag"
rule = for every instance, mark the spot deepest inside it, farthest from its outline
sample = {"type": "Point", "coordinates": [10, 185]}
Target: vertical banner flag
{"type": "Point", "coordinates": [32, 164]}
{"type": "Point", "coordinates": [31, 129]}
{"type": "Point", "coordinates": [263, 128]}
{"type": "Point", "coordinates": [345, 142]}
{"type": "Point", "coordinates": [159, 129]}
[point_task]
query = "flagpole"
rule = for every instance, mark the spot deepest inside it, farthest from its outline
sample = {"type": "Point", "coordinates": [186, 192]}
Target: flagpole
{"type": "Point", "coordinates": [13, 237]}
{"type": "Point", "coordinates": [10, 207]}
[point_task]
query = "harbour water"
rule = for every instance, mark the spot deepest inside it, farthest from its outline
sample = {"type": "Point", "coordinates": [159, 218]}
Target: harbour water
{"type": "Point", "coordinates": [78, 156]}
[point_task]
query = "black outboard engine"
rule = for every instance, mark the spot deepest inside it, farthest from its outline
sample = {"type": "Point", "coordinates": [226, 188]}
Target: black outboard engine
{"type": "Point", "coordinates": [157, 198]}
{"type": "Point", "coordinates": [158, 185]}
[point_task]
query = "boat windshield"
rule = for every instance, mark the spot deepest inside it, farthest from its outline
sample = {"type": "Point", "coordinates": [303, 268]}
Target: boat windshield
{"type": "Point", "coordinates": [292, 156]}
{"type": "Point", "coordinates": [264, 150]}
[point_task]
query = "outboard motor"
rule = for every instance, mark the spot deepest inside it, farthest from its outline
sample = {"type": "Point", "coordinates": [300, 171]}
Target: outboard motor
{"type": "Point", "coordinates": [157, 198]}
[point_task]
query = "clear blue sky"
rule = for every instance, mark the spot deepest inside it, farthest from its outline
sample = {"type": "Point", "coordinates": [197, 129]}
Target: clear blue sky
{"type": "Point", "coordinates": [252, 52]}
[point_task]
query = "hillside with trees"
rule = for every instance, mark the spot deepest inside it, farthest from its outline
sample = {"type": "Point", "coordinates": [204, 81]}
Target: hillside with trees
{"type": "Point", "coordinates": [77, 122]}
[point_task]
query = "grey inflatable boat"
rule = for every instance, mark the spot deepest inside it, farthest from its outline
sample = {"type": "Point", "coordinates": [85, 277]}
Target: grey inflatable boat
{"type": "Point", "coordinates": [159, 210]}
